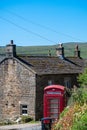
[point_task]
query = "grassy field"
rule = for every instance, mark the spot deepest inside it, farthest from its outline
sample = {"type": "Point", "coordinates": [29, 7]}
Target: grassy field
{"type": "Point", "coordinates": [43, 50]}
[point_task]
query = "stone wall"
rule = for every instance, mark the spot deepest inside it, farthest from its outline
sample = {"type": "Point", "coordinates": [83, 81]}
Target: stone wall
{"type": "Point", "coordinates": [17, 86]}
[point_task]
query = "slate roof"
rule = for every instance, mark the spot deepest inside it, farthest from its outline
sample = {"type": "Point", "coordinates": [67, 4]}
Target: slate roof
{"type": "Point", "coordinates": [54, 65]}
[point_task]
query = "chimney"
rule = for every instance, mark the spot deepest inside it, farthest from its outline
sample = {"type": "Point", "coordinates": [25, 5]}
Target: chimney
{"type": "Point", "coordinates": [77, 51]}
{"type": "Point", "coordinates": [10, 50]}
{"type": "Point", "coordinates": [60, 51]}
{"type": "Point", "coordinates": [49, 53]}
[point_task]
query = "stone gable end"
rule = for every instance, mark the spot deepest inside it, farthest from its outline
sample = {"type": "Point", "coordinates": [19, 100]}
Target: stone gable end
{"type": "Point", "coordinates": [17, 87]}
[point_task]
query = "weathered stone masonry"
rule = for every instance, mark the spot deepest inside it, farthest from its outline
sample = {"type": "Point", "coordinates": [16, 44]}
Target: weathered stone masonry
{"type": "Point", "coordinates": [17, 86]}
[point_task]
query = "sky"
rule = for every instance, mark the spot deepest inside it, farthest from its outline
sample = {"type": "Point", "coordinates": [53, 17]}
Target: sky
{"type": "Point", "coordinates": [42, 22]}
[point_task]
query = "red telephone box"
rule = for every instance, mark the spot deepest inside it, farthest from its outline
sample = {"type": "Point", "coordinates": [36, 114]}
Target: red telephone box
{"type": "Point", "coordinates": [54, 100]}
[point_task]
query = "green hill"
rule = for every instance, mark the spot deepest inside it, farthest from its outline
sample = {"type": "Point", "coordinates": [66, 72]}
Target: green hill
{"type": "Point", "coordinates": [43, 50]}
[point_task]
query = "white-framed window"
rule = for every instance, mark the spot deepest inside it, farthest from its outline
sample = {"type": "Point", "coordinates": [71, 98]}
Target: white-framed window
{"type": "Point", "coordinates": [24, 109]}
{"type": "Point", "coordinates": [67, 82]}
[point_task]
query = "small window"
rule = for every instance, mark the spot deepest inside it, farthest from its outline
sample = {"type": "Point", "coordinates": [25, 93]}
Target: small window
{"type": "Point", "coordinates": [67, 82]}
{"type": "Point", "coordinates": [24, 110]}
{"type": "Point", "coordinates": [24, 106]}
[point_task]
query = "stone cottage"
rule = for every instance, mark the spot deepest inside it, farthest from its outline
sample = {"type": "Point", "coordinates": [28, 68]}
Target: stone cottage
{"type": "Point", "coordinates": [23, 78]}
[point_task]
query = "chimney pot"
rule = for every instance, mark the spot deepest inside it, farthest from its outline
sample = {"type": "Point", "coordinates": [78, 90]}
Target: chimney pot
{"type": "Point", "coordinates": [11, 41]}
{"type": "Point", "coordinates": [77, 51]}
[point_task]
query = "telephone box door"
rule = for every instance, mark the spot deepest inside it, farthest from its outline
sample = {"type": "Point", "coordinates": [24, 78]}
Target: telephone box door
{"type": "Point", "coordinates": [53, 101]}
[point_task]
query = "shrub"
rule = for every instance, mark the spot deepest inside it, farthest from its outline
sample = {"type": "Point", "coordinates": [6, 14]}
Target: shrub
{"type": "Point", "coordinates": [64, 112]}
{"type": "Point", "coordinates": [75, 116]}
{"type": "Point", "coordinates": [80, 95]}
{"type": "Point", "coordinates": [81, 122]}
{"type": "Point", "coordinates": [26, 119]}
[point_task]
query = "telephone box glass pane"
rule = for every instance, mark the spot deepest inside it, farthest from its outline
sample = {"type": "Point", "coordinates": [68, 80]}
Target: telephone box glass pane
{"type": "Point", "coordinates": [54, 108]}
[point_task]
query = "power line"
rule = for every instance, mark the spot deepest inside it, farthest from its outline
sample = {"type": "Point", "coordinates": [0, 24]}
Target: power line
{"type": "Point", "coordinates": [42, 26]}
{"type": "Point", "coordinates": [26, 30]}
